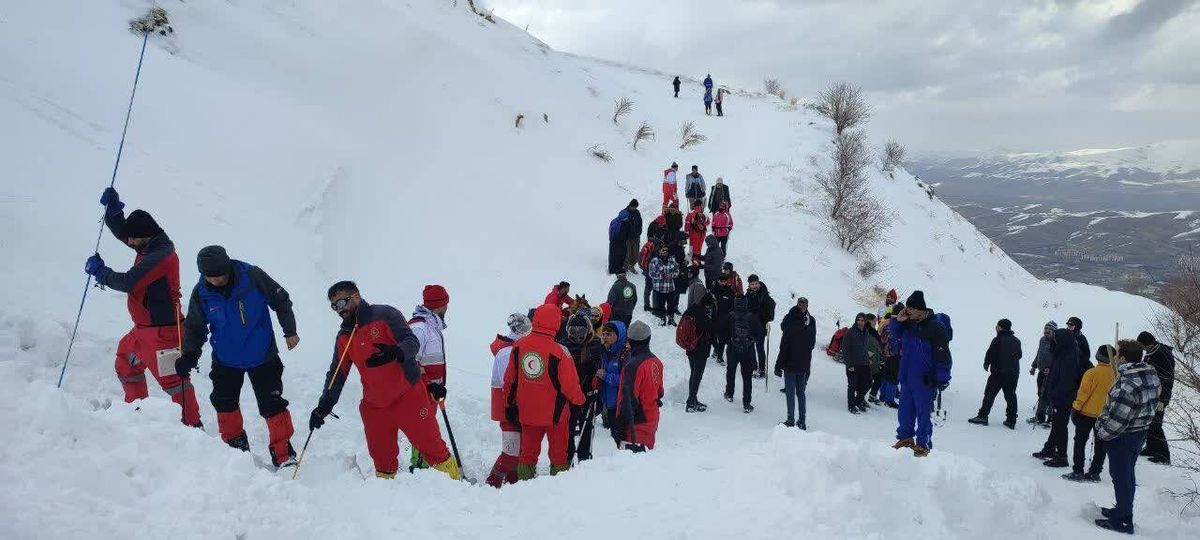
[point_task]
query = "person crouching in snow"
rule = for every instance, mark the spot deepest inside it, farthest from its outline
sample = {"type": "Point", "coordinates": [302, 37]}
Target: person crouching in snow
{"type": "Point", "coordinates": [232, 298]}
{"type": "Point", "coordinates": [504, 471]}
{"type": "Point", "coordinates": [924, 368]}
{"type": "Point", "coordinates": [427, 323]}
{"type": "Point", "coordinates": [376, 341]}
{"type": "Point", "coordinates": [540, 381]}
{"type": "Point", "coordinates": [153, 288]}
{"type": "Point", "coordinates": [640, 394]}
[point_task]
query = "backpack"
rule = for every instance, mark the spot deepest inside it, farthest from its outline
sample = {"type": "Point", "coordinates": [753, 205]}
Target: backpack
{"type": "Point", "coordinates": [741, 339]}
{"type": "Point", "coordinates": [614, 228]}
{"type": "Point", "coordinates": [835, 343]}
{"type": "Point", "coordinates": [687, 335]}
{"type": "Point", "coordinates": [944, 356]}
{"type": "Point", "coordinates": [645, 255]}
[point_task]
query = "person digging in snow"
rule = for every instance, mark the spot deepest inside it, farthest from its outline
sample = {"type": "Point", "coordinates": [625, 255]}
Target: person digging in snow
{"type": "Point", "coordinates": [504, 470]}
{"type": "Point", "coordinates": [640, 394]}
{"type": "Point", "coordinates": [375, 340]}
{"type": "Point", "coordinates": [232, 298]}
{"type": "Point", "coordinates": [739, 331]}
{"type": "Point", "coordinates": [1003, 361]}
{"type": "Point", "coordinates": [1089, 403]}
{"type": "Point", "coordinates": [924, 369]}
{"type": "Point", "coordinates": [427, 323]}
{"type": "Point", "coordinates": [152, 285]}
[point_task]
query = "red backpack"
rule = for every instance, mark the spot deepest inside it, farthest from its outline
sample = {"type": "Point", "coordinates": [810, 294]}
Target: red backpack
{"type": "Point", "coordinates": [644, 256]}
{"type": "Point", "coordinates": [686, 335]}
{"type": "Point", "coordinates": [835, 343]}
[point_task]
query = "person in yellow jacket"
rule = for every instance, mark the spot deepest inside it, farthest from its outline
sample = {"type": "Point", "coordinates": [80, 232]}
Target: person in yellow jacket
{"type": "Point", "coordinates": [1089, 403]}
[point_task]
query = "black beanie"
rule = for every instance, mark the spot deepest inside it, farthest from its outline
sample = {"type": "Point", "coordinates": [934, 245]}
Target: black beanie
{"type": "Point", "coordinates": [1077, 322]}
{"type": "Point", "coordinates": [1005, 324]}
{"type": "Point", "coordinates": [633, 203]}
{"type": "Point", "coordinates": [916, 300]}
{"type": "Point", "coordinates": [139, 224]}
{"type": "Point", "coordinates": [213, 261]}
{"type": "Point", "coordinates": [1146, 339]}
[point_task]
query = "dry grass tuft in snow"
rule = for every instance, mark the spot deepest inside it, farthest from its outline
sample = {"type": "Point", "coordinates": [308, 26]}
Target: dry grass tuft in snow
{"type": "Point", "coordinates": [689, 137]}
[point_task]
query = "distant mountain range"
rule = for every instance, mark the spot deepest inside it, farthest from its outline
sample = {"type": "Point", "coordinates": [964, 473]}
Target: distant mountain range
{"type": "Point", "coordinates": [1121, 218]}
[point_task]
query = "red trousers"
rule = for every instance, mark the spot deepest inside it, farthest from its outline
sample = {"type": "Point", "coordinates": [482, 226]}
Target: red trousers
{"type": "Point", "coordinates": [504, 471]}
{"type": "Point", "coordinates": [531, 443]}
{"type": "Point", "coordinates": [669, 194]}
{"type": "Point", "coordinates": [156, 348]}
{"type": "Point", "coordinates": [414, 414]}
{"type": "Point", "coordinates": [697, 240]}
{"type": "Point", "coordinates": [644, 433]}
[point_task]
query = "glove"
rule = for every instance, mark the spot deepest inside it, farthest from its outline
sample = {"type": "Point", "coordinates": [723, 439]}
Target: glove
{"type": "Point", "coordinates": [111, 201]}
{"type": "Point", "coordinates": [316, 419]}
{"type": "Point", "coordinates": [985, 367]}
{"type": "Point", "coordinates": [778, 372]}
{"type": "Point", "coordinates": [186, 363]}
{"type": "Point", "coordinates": [512, 414]}
{"type": "Point", "coordinates": [942, 387]}
{"type": "Point", "coordinates": [387, 353]}
{"type": "Point", "coordinates": [658, 402]}
{"type": "Point", "coordinates": [437, 390]}
{"type": "Point", "coordinates": [95, 267]}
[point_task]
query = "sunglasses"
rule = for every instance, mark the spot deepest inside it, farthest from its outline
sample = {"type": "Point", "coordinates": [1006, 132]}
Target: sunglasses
{"type": "Point", "coordinates": [340, 303]}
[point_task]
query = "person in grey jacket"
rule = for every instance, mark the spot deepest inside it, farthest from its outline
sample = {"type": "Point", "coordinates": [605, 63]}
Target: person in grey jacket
{"type": "Point", "coordinates": [623, 298]}
{"type": "Point", "coordinates": [1041, 367]}
{"type": "Point", "coordinates": [694, 188]}
{"type": "Point", "coordinates": [695, 290]}
{"type": "Point", "coordinates": [714, 258]}
{"type": "Point", "coordinates": [858, 364]}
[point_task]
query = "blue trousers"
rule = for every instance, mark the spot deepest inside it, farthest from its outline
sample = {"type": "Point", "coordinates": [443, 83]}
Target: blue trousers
{"type": "Point", "coordinates": [916, 408]}
{"type": "Point", "coordinates": [1122, 456]}
{"type": "Point", "coordinates": [887, 392]}
{"type": "Point", "coordinates": [794, 383]}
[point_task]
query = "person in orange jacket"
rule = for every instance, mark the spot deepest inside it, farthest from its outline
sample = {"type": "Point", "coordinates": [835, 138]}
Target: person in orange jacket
{"type": "Point", "coordinates": [1089, 403]}
{"type": "Point", "coordinates": [540, 381]}
{"type": "Point", "coordinates": [640, 395]}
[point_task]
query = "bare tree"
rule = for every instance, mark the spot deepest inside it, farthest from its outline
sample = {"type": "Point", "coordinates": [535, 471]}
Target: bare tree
{"type": "Point", "coordinates": [859, 228]}
{"type": "Point", "coordinates": [643, 133]}
{"type": "Point", "coordinates": [1179, 324]}
{"type": "Point", "coordinates": [893, 156]}
{"type": "Point", "coordinates": [773, 87]}
{"type": "Point", "coordinates": [621, 108]}
{"type": "Point", "coordinates": [597, 151]}
{"type": "Point", "coordinates": [689, 137]}
{"type": "Point", "coordinates": [845, 180]}
{"type": "Point", "coordinates": [844, 104]}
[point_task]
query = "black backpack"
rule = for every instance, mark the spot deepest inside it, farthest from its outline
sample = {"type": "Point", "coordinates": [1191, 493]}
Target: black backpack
{"type": "Point", "coordinates": [741, 339]}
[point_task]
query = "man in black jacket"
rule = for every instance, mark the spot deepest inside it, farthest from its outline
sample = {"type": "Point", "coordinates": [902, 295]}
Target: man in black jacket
{"type": "Point", "coordinates": [759, 300]}
{"type": "Point", "coordinates": [1061, 387]}
{"type": "Point", "coordinates": [704, 316]}
{"type": "Point", "coordinates": [738, 331]}
{"type": "Point", "coordinates": [858, 364]}
{"type": "Point", "coordinates": [723, 296]}
{"type": "Point", "coordinates": [633, 236]}
{"type": "Point", "coordinates": [794, 363]}
{"type": "Point", "coordinates": [623, 298]}
{"type": "Point", "coordinates": [1162, 358]}
{"type": "Point", "coordinates": [1003, 360]}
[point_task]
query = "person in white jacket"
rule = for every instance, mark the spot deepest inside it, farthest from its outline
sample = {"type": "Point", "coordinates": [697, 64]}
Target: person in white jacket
{"type": "Point", "coordinates": [428, 323]}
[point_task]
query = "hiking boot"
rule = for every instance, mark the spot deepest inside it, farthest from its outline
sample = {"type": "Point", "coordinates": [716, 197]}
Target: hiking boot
{"type": "Point", "coordinates": [1074, 476]}
{"type": "Point", "coordinates": [720, 361]}
{"type": "Point", "coordinates": [802, 426]}
{"type": "Point", "coordinates": [701, 406]}
{"type": "Point", "coordinates": [874, 400]}
{"type": "Point", "coordinates": [287, 461]}
{"type": "Point", "coordinates": [1010, 424]}
{"type": "Point", "coordinates": [1111, 525]}
{"type": "Point", "coordinates": [1108, 512]}
{"type": "Point", "coordinates": [1043, 454]}
{"type": "Point", "coordinates": [1092, 477]}
{"type": "Point", "coordinates": [789, 423]}
{"type": "Point", "coordinates": [240, 442]}
{"type": "Point", "coordinates": [1160, 460]}
{"type": "Point", "coordinates": [1146, 452]}
{"type": "Point", "coordinates": [1056, 462]}
{"type": "Point", "coordinates": [748, 409]}
{"type": "Point", "coordinates": [1033, 420]}
{"type": "Point", "coordinates": [853, 410]}
{"type": "Point", "coordinates": [760, 374]}
{"type": "Point", "coordinates": [782, 391]}
{"type": "Point", "coordinates": [979, 420]}
{"type": "Point", "coordinates": [920, 451]}
{"type": "Point", "coordinates": [904, 443]}
{"type": "Point", "coordinates": [671, 320]}
{"type": "Point", "coordinates": [696, 407]}
{"type": "Point", "coordinates": [891, 405]}
{"type": "Point", "coordinates": [729, 398]}
{"type": "Point", "coordinates": [662, 322]}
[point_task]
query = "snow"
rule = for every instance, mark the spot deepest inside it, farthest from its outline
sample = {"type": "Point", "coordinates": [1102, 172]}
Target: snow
{"type": "Point", "coordinates": [375, 142]}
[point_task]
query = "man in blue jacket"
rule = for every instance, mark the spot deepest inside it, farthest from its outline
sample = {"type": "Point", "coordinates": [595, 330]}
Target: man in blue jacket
{"type": "Point", "coordinates": [231, 298]}
{"type": "Point", "coordinates": [924, 368]}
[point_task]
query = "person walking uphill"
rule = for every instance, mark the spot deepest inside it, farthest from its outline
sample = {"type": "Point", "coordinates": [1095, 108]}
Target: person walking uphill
{"type": "Point", "coordinates": [1162, 359]}
{"type": "Point", "coordinates": [1003, 361]}
{"type": "Point", "coordinates": [739, 331]}
{"type": "Point", "coordinates": [1061, 386]}
{"type": "Point", "coordinates": [231, 298]}
{"type": "Point", "coordinates": [152, 285]}
{"type": "Point", "coordinates": [375, 340]}
{"type": "Point", "coordinates": [618, 233]}
{"type": "Point", "coordinates": [540, 382]}
{"type": "Point", "coordinates": [924, 368]}
{"type": "Point", "coordinates": [641, 392]}
{"type": "Point", "coordinates": [504, 470]}
{"type": "Point", "coordinates": [708, 95]}
{"type": "Point", "coordinates": [722, 224]}
{"type": "Point", "coordinates": [670, 185]}
{"type": "Point", "coordinates": [719, 194]}
{"type": "Point", "coordinates": [1122, 425]}
{"type": "Point", "coordinates": [694, 188]}
{"type": "Point", "coordinates": [794, 363]}
{"type": "Point", "coordinates": [675, 83]}
{"type": "Point", "coordinates": [427, 323]}
{"type": "Point", "coordinates": [1089, 403]}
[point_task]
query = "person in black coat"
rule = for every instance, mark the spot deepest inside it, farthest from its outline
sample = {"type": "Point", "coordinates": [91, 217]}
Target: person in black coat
{"type": "Point", "coordinates": [858, 364]}
{"type": "Point", "coordinates": [1061, 386]}
{"type": "Point", "coordinates": [704, 313]}
{"type": "Point", "coordinates": [623, 298]}
{"type": "Point", "coordinates": [633, 236]}
{"type": "Point", "coordinates": [1162, 358]}
{"type": "Point", "coordinates": [738, 331]}
{"type": "Point", "coordinates": [723, 295]}
{"type": "Point", "coordinates": [675, 83]}
{"type": "Point", "coordinates": [679, 252]}
{"type": "Point", "coordinates": [1003, 360]}
{"type": "Point", "coordinates": [717, 195]}
{"type": "Point", "coordinates": [759, 300]}
{"type": "Point", "coordinates": [794, 362]}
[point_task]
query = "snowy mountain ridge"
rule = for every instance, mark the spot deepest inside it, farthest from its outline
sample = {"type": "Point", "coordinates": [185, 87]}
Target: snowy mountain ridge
{"type": "Point", "coordinates": [377, 142]}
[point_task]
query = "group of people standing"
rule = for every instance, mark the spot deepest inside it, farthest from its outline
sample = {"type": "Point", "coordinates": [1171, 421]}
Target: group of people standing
{"type": "Point", "coordinates": [710, 99]}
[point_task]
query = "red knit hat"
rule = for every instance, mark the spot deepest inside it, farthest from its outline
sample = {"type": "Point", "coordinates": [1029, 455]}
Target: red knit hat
{"type": "Point", "coordinates": [435, 297]}
{"type": "Point", "coordinates": [891, 296]}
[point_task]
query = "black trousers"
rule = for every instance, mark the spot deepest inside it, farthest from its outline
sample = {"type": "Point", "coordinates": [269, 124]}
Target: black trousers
{"type": "Point", "coordinates": [582, 424]}
{"type": "Point", "coordinates": [746, 362]}
{"type": "Point", "coordinates": [1043, 404]}
{"type": "Point", "coordinates": [1156, 439]}
{"type": "Point", "coordinates": [761, 352]}
{"type": "Point", "coordinates": [647, 290]}
{"type": "Point", "coordinates": [723, 241]}
{"type": "Point", "coordinates": [665, 303]}
{"type": "Point", "coordinates": [996, 383]}
{"type": "Point", "coordinates": [266, 379]}
{"type": "Point", "coordinates": [697, 360]}
{"type": "Point", "coordinates": [858, 382]}
{"type": "Point", "coordinates": [1083, 430]}
{"type": "Point", "coordinates": [720, 111]}
{"type": "Point", "coordinates": [1056, 442]}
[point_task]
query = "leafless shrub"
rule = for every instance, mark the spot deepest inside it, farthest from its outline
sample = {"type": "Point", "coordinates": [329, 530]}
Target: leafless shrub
{"type": "Point", "coordinates": [597, 151]}
{"type": "Point", "coordinates": [689, 137]}
{"type": "Point", "coordinates": [844, 104]}
{"type": "Point", "coordinates": [870, 266]}
{"type": "Point", "coordinates": [773, 87]}
{"type": "Point", "coordinates": [621, 108]}
{"type": "Point", "coordinates": [859, 228]}
{"type": "Point", "coordinates": [845, 180]}
{"type": "Point", "coordinates": [154, 21]}
{"type": "Point", "coordinates": [1179, 324]}
{"type": "Point", "coordinates": [794, 101]}
{"type": "Point", "coordinates": [644, 133]}
{"type": "Point", "coordinates": [517, 123]}
{"type": "Point", "coordinates": [893, 156]}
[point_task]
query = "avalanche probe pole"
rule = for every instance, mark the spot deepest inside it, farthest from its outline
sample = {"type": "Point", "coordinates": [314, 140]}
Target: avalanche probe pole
{"type": "Point", "coordinates": [332, 377]}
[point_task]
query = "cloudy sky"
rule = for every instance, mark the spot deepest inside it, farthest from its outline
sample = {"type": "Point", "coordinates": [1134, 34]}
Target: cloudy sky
{"type": "Point", "coordinates": [1039, 75]}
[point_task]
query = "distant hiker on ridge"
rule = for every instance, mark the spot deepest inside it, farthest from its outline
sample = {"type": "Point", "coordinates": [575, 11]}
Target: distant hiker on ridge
{"type": "Point", "coordinates": [676, 84]}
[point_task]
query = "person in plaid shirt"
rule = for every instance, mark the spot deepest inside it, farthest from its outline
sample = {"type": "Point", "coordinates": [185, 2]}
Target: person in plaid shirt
{"type": "Point", "coordinates": [1122, 425]}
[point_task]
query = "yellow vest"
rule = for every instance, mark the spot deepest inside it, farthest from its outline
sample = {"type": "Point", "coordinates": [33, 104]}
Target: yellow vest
{"type": "Point", "coordinates": [1093, 391]}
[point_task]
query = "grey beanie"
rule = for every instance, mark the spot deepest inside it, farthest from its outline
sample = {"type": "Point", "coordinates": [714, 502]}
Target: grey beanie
{"type": "Point", "coordinates": [638, 331]}
{"type": "Point", "coordinates": [1051, 326]}
{"type": "Point", "coordinates": [213, 262]}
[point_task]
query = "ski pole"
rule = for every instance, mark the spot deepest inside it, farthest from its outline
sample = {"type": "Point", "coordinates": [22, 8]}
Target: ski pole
{"type": "Point", "coordinates": [450, 433]}
{"type": "Point", "coordinates": [87, 283]}
{"type": "Point", "coordinates": [766, 359]}
{"type": "Point", "coordinates": [296, 472]}
{"type": "Point", "coordinates": [329, 385]}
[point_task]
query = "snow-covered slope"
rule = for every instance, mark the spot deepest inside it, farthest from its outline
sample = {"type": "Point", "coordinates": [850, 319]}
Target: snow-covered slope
{"type": "Point", "coordinates": [375, 141]}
